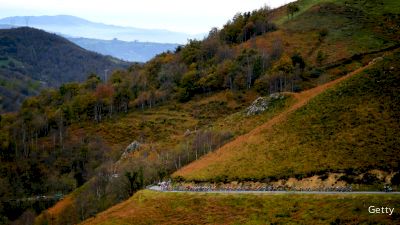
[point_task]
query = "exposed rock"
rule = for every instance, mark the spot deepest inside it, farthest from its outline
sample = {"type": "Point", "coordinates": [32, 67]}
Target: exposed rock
{"type": "Point", "coordinates": [131, 147]}
{"type": "Point", "coordinates": [262, 103]}
{"type": "Point", "coordinates": [189, 132]}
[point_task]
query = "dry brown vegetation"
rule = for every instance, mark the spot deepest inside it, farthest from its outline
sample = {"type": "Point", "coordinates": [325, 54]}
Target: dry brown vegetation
{"type": "Point", "coordinates": [147, 207]}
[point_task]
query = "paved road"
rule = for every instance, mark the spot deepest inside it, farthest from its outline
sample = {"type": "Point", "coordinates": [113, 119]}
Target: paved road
{"type": "Point", "coordinates": [157, 188]}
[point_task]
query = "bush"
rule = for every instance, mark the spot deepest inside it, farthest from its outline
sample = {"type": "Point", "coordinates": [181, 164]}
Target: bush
{"type": "Point", "coordinates": [178, 179]}
{"type": "Point", "coordinates": [369, 178]}
{"type": "Point", "coordinates": [315, 73]}
{"type": "Point", "coordinates": [323, 176]}
{"type": "Point", "coordinates": [396, 179]}
{"type": "Point", "coordinates": [292, 8]}
{"type": "Point", "coordinates": [300, 176]}
{"type": "Point", "coordinates": [221, 179]}
{"type": "Point", "coordinates": [322, 34]}
{"type": "Point", "coordinates": [348, 178]}
{"type": "Point", "coordinates": [297, 59]}
{"type": "Point", "coordinates": [262, 85]}
{"type": "Point", "coordinates": [183, 95]}
{"type": "Point", "coordinates": [3, 220]}
{"type": "Point", "coordinates": [320, 57]}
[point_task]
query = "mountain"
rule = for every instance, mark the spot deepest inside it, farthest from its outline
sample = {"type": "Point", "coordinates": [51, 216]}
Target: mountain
{"type": "Point", "coordinates": [303, 97]}
{"type": "Point", "coordinates": [78, 27]}
{"type": "Point", "coordinates": [130, 51]}
{"type": "Point", "coordinates": [31, 59]}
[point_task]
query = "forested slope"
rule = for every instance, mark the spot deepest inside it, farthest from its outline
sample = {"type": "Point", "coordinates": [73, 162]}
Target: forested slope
{"type": "Point", "coordinates": [32, 59]}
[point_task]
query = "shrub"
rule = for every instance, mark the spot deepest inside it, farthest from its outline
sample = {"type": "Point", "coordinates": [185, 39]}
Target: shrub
{"type": "Point", "coordinates": [322, 34]}
{"type": "Point", "coordinates": [396, 179]}
{"type": "Point", "coordinates": [348, 178]}
{"type": "Point", "coordinates": [297, 59]}
{"type": "Point", "coordinates": [369, 178]}
{"type": "Point", "coordinates": [323, 176]}
{"type": "Point", "coordinates": [292, 8]}
{"type": "Point", "coordinates": [320, 57]}
{"type": "Point", "coordinates": [178, 179]}
{"type": "Point", "coordinates": [315, 73]}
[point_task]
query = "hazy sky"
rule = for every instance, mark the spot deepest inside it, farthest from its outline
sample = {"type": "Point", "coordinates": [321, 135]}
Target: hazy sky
{"type": "Point", "coordinates": [176, 15]}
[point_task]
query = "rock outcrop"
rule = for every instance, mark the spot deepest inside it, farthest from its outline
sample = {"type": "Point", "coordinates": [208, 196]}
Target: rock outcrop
{"type": "Point", "coordinates": [262, 103]}
{"type": "Point", "coordinates": [131, 148]}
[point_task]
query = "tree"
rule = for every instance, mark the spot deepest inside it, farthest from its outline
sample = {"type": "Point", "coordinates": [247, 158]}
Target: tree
{"type": "Point", "coordinates": [161, 173]}
{"type": "Point", "coordinates": [228, 69]}
{"type": "Point", "coordinates": [261, 85]}
{"type": "Point", "coordinates": [191, 53]}
{"type": "Point", "coordinates": [135, 180]}
{"type": "Point", "coordinates": [209, 46]}
{"type": "Point", "coordinates": [291, 9]}
{"type": "Point", "coordinates": [92, 81]}
{"type": "Point", "coordinates": [298, 60]}
{"type": "Point", "coordinates": [251, 63]}
{"type": "Point", "coordinates": [244, 26]}
{"type": "Point", "coordinates": [189, 83]}
{"type": "Point", "coordinates": [322, 34]}
{"type": "Point", "coordinates": [277, 49]}
{"type": "Point", "coordinates": [320, 57]}
{"type": "Point", "coordinates": [69, 90]}
{"type": "Point", "coordinates": [104, 101]}
{"type": "Point", "coordinates": [284, 64]}
{"type": "Point", "coordinates": [396, 179]}
{"type": "Point", "coordinates": [211, 82]}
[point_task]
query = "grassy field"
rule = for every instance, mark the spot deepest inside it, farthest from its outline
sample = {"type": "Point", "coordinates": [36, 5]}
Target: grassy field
{"type": "Point", "coordinates": [351, 127]}
{"type": "Point", "coordinates": [239, 123]}
{"type": "Point", "coordinates": [351, 28]}
{"type": "Point", "coordinates": [147, 207]}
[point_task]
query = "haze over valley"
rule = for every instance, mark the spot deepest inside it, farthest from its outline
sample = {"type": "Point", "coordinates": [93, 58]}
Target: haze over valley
{"type": "Point", "coordinates": [127, 43]}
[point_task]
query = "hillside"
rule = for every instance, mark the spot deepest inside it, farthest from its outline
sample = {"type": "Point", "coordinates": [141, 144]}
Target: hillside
{"type": "Point", "coordinates": [103, 140]}
{"type": "Point", "coordinates": [351, 128]}
{"type": "Point", "coordinates": [31, 59]}
{"type": "Point", "coordinates": [348, 32]}
{"type": "Point", "coordinates": [133, 51]}
{"type": "Point", "coordinates": [147, 207]}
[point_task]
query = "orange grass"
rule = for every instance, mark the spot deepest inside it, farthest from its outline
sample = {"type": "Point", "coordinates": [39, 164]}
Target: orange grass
{"type": "Point", "coordinates": [147, 207]}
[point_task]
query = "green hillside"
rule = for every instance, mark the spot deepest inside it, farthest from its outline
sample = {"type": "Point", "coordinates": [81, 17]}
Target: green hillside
{"type": "Point", "coordinates": [352, 128]}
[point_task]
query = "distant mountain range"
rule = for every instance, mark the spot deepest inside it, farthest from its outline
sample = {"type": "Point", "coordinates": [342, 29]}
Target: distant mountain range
{"type": "Point", "coordinates": [127, 43]}
{"type": "Point", "coordinates": [78, 27]}
{"type": "Point", "coordinates": [133, 51]}
{"type": "Point", "coordinates": [31, 59]}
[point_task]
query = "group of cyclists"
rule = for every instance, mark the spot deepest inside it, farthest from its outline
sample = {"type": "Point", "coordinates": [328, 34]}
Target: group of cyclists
{"type": "Point", "coordinates": [387, 188]}
{"type": "Point", "coordinates": [168, 186]}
